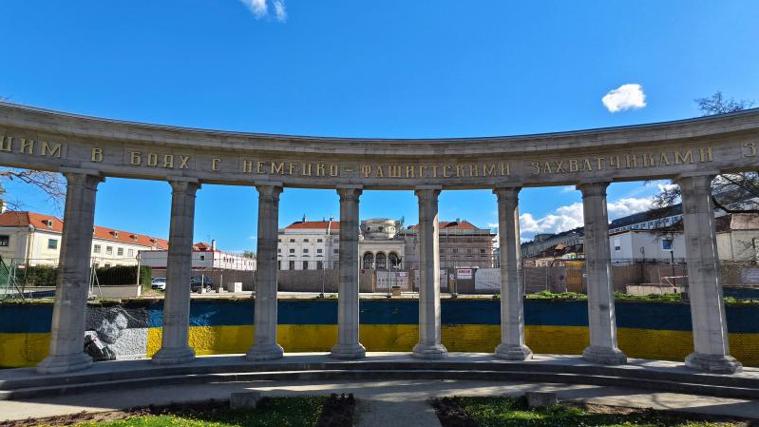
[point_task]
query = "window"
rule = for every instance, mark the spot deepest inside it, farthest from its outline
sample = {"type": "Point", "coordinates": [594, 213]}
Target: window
{"type": "Point", "coordinates": [202, 257]}
{"type": "Point", "coordinates": [318, 251]}
{"type": "Point", "coordinates": [617, 245]}
{"type": "Point", "coordinates": [319, 265]}
{"type": "Point", "coordinates": [109, 250]}
{"type": "Point", "coordinates": [305, 250]}
{"type": "Point", "coordinates": [52, 244]}
{"type": "Point", "coordinates": [666, 244]}
{"type": "Point", "coordinates": [291, 265]}
{"type": "Point", "coordinates": [96, 249]}
{"type": "Point", "coordinates": [305, 240]}
{"type": "Point", "coordinates": [120, 251]}
{"type": "Point", "coordinates": [130, 252]}
{"type": "Point", "coordinates": [279, 265]}
{"type": "Point", "coordinates": [292, 251]}
{"type": "Point", "coordinates": [305, 265]}
{"type": "Point", "coordinates": [279, 240]}
{"type": "Point", "coordinates": [279, 250]}
{"type": "Point", "coordinates": [482, 251]}
{"type": "Point", "coordinates": [319, 240]}
{"type": "Point", "coordinates": [5, 240]}
{"type": "Point", "coordinates": [336, 251]}
{"type": "Point", "coordinates": [292, 240]}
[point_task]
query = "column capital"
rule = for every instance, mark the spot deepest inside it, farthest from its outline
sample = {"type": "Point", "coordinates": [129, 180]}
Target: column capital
{"type": "Point", "coordinates": [427, 192]}
{"type": "Point", "coordinates": [507, 193]}
{"type": "Point", "coordinates": [349, 193]}
{"type": "Point", "coordinates": [85, 177]}
{"type": "Point", "coordinates": [81, 171]}
{"type": "Point", "coordinates": [703, 180]}
{"type": "Point", "coordinates": [188, 187]}
{"type": "Point", "coordinates": [591, 189]}
{"type": "Point", "coordinates": [271, 191]}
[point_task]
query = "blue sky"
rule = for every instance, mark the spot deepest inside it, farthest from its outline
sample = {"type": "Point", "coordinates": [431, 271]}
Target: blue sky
{"type": "Point", "coordinates": [380, 69]}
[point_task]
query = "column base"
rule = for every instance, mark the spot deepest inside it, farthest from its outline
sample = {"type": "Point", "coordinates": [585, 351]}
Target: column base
{"type": "Point", "coordinates": [174, 355]}
{"type": "Point", "coordinates": [348, 351]}
{"type": "Point", "coordinates": [604, 355]}
{"type": "Point", "coordinates": [64, 363]}
{"type": "Point", "coordinates": [265, 352]}
{"type": "Point", "coordinates": [713, 363]}
{"type": "Point", "coordinates": [513, 352]}
{"type": "Point", "coordinates": [437, 351]}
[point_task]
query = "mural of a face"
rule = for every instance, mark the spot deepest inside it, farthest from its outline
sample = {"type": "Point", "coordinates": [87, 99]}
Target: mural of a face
{"type": "Point", "coordinates": [111, 326]}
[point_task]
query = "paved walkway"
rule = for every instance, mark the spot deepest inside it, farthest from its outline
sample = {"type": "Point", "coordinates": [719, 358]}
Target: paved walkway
{"type": "Point", "coordinates": [379, 397]}
{"type": "Point", "coordinates": [380, 413]}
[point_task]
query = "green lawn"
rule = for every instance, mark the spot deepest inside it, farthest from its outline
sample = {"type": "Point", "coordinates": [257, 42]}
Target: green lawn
{"type": "Point", "coordinates": [501, 411]}
{"type": "Point", "coordinates": [275, 412]}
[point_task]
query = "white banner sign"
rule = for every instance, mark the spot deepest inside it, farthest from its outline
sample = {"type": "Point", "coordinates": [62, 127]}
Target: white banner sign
{"type": "Point", "coordinates": [488, 279]}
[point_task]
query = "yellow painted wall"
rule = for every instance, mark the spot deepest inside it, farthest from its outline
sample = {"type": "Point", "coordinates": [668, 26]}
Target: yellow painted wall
{"type": "Point", "coordinates": [26, 349]}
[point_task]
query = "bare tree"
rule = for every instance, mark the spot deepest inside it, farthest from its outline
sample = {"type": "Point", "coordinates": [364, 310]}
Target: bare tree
{"type": "Point", "coordinates": [49, 183]}
{"type": "Point", "coordinates": [718, 104]}
{"type": "Point", "coordinates": [731, 192]}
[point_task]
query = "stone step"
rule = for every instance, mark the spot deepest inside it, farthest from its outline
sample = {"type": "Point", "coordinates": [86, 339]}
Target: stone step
{"type": "Point", "coordinates": [692, 386]}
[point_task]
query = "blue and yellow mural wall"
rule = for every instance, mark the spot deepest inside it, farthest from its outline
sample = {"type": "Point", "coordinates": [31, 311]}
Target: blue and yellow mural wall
{"type": "Point", "coordinates": [133, 329]}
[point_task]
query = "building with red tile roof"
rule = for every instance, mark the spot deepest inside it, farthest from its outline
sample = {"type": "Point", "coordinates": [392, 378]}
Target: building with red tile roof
{"type": "Point", "coordinates": [31, 238]}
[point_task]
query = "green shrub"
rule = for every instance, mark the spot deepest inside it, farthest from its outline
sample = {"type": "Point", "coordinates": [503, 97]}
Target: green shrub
{"type": "Point", "coordinates": [123, 275]}
{"type": "Point", "coordinates": [39, 275]}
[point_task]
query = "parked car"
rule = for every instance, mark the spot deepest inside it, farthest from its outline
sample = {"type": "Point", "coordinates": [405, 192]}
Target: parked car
{"type": "Point", "coordinates": [200, 281]}
{"type": "Point", "coordinates": [158, 283]}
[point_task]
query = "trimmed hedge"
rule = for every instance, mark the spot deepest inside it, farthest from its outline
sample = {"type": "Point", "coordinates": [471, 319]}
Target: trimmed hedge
{"type": "Point", "coordinates": [42, 275]}
{"type": "Point", "coordinates": [123, 275]}
{"type": "Point", "coordinates": [39, 275]}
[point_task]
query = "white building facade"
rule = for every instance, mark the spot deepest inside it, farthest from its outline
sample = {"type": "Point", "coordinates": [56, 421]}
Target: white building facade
{"type": "Point", "coordinates": [31, 239]}
{"type": "Point", "coordinates": [309, 245]}
{"type": "Point", "coordinates": [380, 246]}
{"type": "Point", "coordinates": [204, 257]}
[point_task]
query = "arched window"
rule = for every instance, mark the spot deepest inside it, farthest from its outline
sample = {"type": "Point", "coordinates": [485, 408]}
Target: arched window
{"type": "Point", "coordinates": [381, 261]}
{"type": "Point", "coordinates": [395, 262]}
{"type": "Point", "coordinates": [368, 261]}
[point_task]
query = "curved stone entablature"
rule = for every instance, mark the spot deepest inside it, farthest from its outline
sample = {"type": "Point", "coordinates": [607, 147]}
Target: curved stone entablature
{"type": "Point", "coordinates": [40, 139]}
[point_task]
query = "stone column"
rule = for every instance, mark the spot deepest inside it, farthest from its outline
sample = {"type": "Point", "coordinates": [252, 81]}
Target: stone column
{"type": "Point", "coordinates": [711, 348]}
{"type": "Point", "coordinates": [512, 345]}
{"type": "Point", "coordinates": [601, 316]}
{"type": "Point", "coordinates": [175, 346]}
{"type": "Point", "coordinates": [72, 286]}
{"type": "Point", "coordinates": [348, 345]}
{"type": "Point", "coordinates": [265, 345]}
{"type": "Point", "coordinates": [429, 346]}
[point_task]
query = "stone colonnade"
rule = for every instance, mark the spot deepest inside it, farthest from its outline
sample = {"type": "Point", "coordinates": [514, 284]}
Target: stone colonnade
{"type": "Point", "coordinates": [711, 352]}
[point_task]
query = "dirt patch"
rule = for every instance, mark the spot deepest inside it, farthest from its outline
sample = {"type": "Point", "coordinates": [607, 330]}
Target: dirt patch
{"type": "Point", "coordinates": [337, 411]}
{"type": "Point", "coordinates": [64, 420]}
{"type": "Point", "coordinates": [451, 414]}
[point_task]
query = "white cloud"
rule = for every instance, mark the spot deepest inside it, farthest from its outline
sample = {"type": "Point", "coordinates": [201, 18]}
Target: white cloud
{"type": "Point", "coordinates": [569, 217]}
{"type": "Point", "coordinates": [565, 218]}
{"type": "Point", "coordinates": [666, 186]}
{"type": "Point", "coordinates": [257, 7]}
{"type": "Point", "coordinates": [279, 10]}
{"type": "Point", "coordinates": [628, 206]}
{"type": "Point", "coordinates": [626, 97]}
